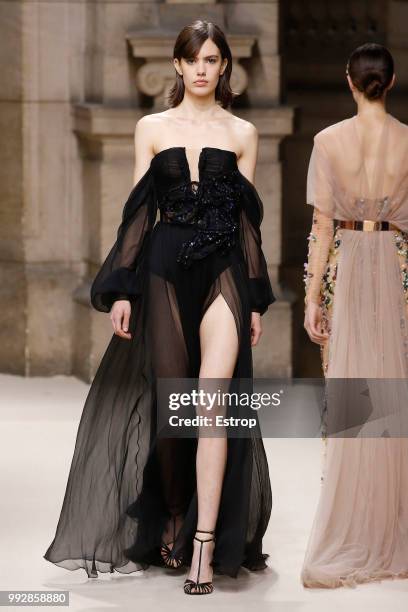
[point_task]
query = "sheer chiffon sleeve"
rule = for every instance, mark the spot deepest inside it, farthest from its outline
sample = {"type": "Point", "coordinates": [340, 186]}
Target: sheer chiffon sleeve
{"type": "Point", "coordinates": [251, 215]}
{"type": "Point", "coordinates": [319, 194]}
{"type": "Point", "coordinates": [319, 239]}
{"type": "Point", "coordinates": [320, 190]}
{"type": "Point", "coordinates": [120, 276]}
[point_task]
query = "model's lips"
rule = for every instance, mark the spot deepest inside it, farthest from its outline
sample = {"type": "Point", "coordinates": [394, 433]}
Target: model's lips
{"type": "Point", "coordinates": [201, 82]}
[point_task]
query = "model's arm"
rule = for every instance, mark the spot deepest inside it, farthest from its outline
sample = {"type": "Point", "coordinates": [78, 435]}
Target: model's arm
{"type": "Point", "coordinates": [250, 143]}
{"type": "Point", "coordinates": [320, 194]}
{"type": "Point", "coordinates": [143, 140]}
{"type": "Point", "coordinates": [320, 239]}
{"type": "Point", "coordinates": [247, 164]}
{"type": "Point", "coordinates": [121, 309]}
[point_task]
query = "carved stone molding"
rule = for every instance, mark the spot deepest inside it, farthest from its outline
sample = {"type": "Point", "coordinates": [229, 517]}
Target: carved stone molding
{"type": "Point", "coordinates": [156, 76]}
{"type": "Point", "coordinates": [152, 44]}
{"type": "Point", "coordinates": [191, 1]}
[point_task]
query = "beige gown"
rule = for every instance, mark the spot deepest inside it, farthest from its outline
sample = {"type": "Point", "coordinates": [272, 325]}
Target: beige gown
{"type": "Point", "coordinates": [360, 280]}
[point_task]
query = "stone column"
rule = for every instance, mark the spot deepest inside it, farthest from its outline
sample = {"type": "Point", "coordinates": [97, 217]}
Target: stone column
{"type": "Point", "coordinates": [273, 355]}
{"type": "Point", "coordinates": [40, 226]}
{"type": "Point", "coordinates": [106, 138]}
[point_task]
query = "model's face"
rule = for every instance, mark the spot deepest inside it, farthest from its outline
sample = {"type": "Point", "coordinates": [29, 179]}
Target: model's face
{"type": "Point", "coordinates": [201, 73]}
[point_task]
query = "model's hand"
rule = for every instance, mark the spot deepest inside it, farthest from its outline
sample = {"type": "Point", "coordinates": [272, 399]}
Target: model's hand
{"type": "Point", "coordinates": [256, 328]}
{"type": "Point", "coordinates": [120, 315]}
{"type": "Point", "coordinates": [313, 323]}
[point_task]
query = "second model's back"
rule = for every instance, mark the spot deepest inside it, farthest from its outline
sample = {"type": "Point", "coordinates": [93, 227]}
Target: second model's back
{"type": "Point", "coordinates": [351, 178]}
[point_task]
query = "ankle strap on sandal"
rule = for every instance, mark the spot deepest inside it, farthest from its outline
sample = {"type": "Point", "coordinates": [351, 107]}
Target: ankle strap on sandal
{"type": "Point", "coordinates": [202, 540]}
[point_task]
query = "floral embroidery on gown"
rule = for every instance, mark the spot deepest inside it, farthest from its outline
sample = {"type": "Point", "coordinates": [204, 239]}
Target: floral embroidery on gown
{"type": "Point", "coordinates": [359, 280]}
{"type": "Point", "coordinates": [125, 482]}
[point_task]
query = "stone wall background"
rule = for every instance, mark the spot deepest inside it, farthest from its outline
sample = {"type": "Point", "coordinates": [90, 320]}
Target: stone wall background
{"type": "Point", "coordinates": [75, 78]}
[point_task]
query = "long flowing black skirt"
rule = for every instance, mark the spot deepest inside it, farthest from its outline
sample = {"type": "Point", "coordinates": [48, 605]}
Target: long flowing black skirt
{"type": "Point", "coordinates": [125, 482]}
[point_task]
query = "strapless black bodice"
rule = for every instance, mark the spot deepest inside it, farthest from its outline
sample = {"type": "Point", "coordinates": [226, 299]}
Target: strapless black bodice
{"type": "Point", "coordinates": [210, 205]}
{"type": "Point", "coordinates": [221, 213]}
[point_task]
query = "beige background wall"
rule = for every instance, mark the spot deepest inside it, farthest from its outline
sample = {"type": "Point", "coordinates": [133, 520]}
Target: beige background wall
{"type": "Point", "coordinates": [76, 76]}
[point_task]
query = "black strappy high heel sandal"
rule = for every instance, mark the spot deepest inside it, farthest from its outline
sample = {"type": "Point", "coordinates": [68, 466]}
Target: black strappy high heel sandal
{"type": "Point", "coordinates": [170, 560]}
{"type": "Point", "coordinates": [200, 588]}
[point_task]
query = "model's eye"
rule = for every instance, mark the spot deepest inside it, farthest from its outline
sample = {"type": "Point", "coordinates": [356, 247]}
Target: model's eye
{"type": "Point", "coordinates": [190, 60]}
{"type": "Point", "coordinates": [212, 60]}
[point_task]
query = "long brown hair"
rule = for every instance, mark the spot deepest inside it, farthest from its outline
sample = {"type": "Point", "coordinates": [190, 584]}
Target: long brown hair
{"type": "Point", "coordinates": [187, 45]}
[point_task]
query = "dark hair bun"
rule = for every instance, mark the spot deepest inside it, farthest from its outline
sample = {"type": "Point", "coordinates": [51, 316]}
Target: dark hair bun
{"type": "Point", "coordinates": [373, 87]}
{"type": "Point", "coordinates": [371, 68]}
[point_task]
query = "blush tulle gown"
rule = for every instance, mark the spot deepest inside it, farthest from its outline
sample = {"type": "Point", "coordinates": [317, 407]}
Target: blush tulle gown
{"type": "Point", "coordinates": [360, 280]}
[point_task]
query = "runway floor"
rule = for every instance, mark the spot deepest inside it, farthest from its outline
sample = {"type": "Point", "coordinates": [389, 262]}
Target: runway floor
{"type": "Point", "coordinates": [39, 419]}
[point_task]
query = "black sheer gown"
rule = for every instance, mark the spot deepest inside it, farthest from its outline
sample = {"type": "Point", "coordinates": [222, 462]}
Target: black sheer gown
{"type": "Point", "coordinates": [125, 482]}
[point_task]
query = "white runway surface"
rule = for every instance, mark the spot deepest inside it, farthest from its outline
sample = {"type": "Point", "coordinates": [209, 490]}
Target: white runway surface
{"type": "Point", "coordinates": [39, 419]}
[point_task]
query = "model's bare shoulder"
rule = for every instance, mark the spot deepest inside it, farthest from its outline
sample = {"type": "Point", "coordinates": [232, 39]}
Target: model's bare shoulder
{"type": "Point", "coordinates": [144, 139]}
{"type": "Point", "coordinates": [149, 122]}
{"type": "Point", "coordinates": [148, 130]}
{"type": "Point", "coordinates": [143, 129]}
{"type": "Point", "coordinates": [245, 128]}
{"type": "Point", "coordinates": [246, 136]}
{"type": "Point", "coordinates": [162, 118]}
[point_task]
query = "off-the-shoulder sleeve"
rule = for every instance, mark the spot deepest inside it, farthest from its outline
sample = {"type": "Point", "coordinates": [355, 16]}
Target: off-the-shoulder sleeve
{"type": "Point", "coordinates": [320, 190]}
{"type": "Point", "coordinates": [251, 215]}
{"type": "Point", "coordinates": [120, 276]}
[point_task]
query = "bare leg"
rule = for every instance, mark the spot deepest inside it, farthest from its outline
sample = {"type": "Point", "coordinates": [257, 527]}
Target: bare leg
{"type": "Point", "coordinates": [219, 350]}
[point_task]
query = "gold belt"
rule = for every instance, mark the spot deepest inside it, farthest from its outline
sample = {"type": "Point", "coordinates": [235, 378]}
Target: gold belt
{"type": "Point", "coordinates": [367, 225]}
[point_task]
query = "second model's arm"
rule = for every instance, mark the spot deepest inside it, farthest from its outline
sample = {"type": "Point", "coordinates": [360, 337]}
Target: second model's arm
{"type": "Point", "coordinates": [320, 194]}
{"type": "Point", "coordinates": [320, 239]}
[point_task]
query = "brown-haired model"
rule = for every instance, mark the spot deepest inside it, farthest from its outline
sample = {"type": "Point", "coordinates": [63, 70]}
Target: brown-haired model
{"type": "Point", "coordinates": [185, 296]}
{"type": "Point", "coordinates": [357, 310]}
